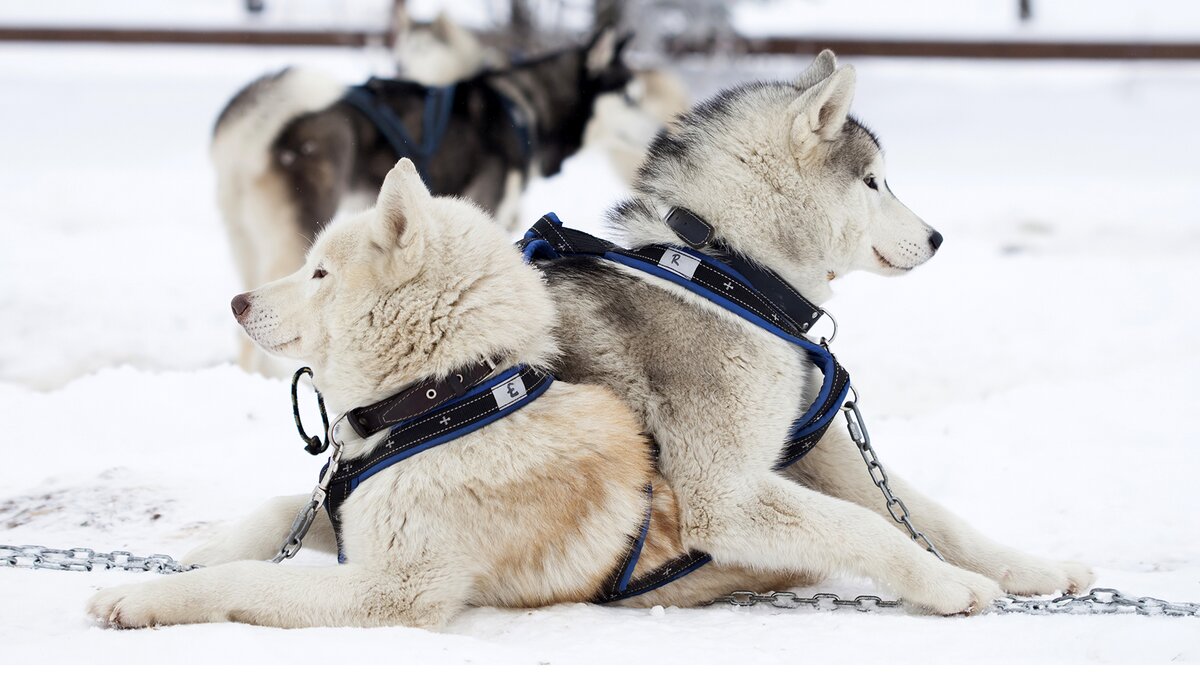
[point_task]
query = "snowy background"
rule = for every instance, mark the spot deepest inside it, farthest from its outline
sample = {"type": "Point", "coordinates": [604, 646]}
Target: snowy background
{"type": "Point", "coordinates": [1038, 375]}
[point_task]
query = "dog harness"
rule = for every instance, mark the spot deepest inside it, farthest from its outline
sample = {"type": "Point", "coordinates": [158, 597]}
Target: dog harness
{"type": "Point", "coordinates": [439, 102]}
{"type": "Point", "coordinates": [433, 412]}
{"type": "Point", "coordinates": [754, 293]}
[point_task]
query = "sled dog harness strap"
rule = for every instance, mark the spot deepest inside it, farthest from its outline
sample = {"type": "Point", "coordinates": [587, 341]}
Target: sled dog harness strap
{"type": "Point", "coordinates": [456, 409]}
{"type": "Point", "coordinates": [416, 399]}
{"type": "Point", "coordinates": [734, 283]}
{"type": "Point", "coordinates": [438, 103]}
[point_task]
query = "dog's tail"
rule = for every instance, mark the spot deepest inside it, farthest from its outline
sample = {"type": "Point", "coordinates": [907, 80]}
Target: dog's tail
{"type": "Point", "coordinates": [252, 194]}
{"type": "Point", "coordinates": [251, 122]}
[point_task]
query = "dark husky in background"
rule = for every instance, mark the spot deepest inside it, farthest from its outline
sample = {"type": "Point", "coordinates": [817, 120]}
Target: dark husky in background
{"type": "Point", "coordinates": [290, 152]}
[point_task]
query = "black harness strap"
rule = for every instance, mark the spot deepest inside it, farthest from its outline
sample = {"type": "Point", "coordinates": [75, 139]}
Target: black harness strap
{"type": "Point", "coordinates": [735, 284]}
{"type": "Point", "coordinates": [416, 399]}
{"type": "Point", "coordinates": [439, 101]}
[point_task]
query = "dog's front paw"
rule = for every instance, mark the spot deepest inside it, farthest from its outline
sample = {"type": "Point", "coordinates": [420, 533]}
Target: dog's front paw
{"type": "Point", "coordinates": [1034, 576]}
{"type": "Point", "coordinates": [140, 606]}
{"type": "Point", "coordinates": [950, 591]}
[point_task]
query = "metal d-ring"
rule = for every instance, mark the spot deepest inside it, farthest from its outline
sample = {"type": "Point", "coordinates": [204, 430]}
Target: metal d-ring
{"type": "Point", "coordinates": [313, 445]}
{"type": "Point", "coordinates": [827, 340]}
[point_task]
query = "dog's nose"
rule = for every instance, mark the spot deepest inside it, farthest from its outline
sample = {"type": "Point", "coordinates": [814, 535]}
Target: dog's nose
{"type": "Point", "coordinates": [240, 305]}
{"type": "Point", "coordinates": [935, 240]}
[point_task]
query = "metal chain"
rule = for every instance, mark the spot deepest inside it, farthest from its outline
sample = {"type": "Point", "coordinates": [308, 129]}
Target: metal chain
{"type": "Point", "coordinates": [304, 519]}
{"type": "Point", "coordinates": [895, 506]}
{"type": "Point", "coordinates": [1096, 601]}
{"type": "Point", "coordinates": [789, 600]}
{"type": "Point", "coordinates": [86, 560]}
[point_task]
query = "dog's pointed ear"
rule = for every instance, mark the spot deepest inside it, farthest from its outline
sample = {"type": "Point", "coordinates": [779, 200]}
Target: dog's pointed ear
{"type": "Point", "coordinates": [820, 112]}
{"type": "Point", "coordinates": [821, 68]}
{"type": "Point", "coordinates": [442, 28]}
{"type": "Point", "coordinates": [602, 51]}
{"type": "Point", "coordinates": [400, 199]}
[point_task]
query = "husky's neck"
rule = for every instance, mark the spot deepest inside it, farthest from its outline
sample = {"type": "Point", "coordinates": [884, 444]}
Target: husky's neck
{"type": "Point", "coordinates": [443, 321]}
{"type": "Point", "coordinates": [642, 219]}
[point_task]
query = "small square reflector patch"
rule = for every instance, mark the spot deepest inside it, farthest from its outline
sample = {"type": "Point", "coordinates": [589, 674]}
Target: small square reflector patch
{"type": "Point", "coordinates": [679, 262]}
{"type": "Point", "coordinates": [509, 391]}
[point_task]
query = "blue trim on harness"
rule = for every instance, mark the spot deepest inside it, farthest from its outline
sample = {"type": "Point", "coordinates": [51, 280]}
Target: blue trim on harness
{"type": "Point", "coordinates": [462, 431]}
{"type": "Point", "coordinates": [538, 248]}
{"type": "Point", "coordinates": [439, 101]}
{"type": "Point", "coordinates": [627, 574]}
{"type": "Point", "coordinates": [820, 356]}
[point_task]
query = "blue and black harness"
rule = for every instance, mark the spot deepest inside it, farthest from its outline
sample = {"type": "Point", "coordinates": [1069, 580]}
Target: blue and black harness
{"type": "Point", "coordinates": [754, 293]}
{"type": "Point", "coordinates": [434, 412]}
{"type": "Point", "coordinates": [439, 103]}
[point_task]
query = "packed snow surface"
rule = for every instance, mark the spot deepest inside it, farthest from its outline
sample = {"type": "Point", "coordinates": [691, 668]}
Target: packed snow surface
{"type": "Point", "coordinates": [1038, 375]}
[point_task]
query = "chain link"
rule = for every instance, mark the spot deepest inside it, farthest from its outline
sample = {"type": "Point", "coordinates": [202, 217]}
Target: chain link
{"type": "Point", "coordinates": [86, 560]}
{"type": "Point", "coordinates": [1096, 601]}
{"type": "Point", "coordinates": [789, 600]}
{"type": "Point", "coordinates": [895, 505]}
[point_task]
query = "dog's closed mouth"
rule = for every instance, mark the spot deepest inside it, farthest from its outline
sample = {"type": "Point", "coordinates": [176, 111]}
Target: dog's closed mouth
{"type": "Point", "coordinates": [886, 262]}
{"type": "Point", "coordinates": [287, 343]}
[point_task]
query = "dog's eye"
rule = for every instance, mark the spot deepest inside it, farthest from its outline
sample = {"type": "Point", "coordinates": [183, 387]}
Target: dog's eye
{"type": "Point", "coordinates": [319, 273]}
{"type": "Point", "coordinates": [870, 181]}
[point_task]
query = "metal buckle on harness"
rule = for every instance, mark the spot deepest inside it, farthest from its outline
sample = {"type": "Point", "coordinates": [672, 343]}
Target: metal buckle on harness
{"type": "Point", "coordinates": [825, 341]}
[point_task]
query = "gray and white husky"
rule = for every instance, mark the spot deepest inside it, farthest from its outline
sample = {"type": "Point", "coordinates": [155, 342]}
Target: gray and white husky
{"type": "Point", "coordinates": [789, 180]}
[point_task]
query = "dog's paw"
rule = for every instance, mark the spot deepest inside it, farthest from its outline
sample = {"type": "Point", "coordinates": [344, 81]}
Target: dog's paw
{"type": "Point", "coordinates": [1034, 576]}
{"type": "Point", "coordinates": [951, 591]}
{"type": "Point", "coordinates": [138, 606]}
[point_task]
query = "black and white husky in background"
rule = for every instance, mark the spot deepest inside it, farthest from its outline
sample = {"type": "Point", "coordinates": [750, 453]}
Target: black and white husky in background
{"type": "Point", "coordinates": [623, 123]}
{"type": "Point", "coordinates": [290, 152]}
{"type": "Point", "coordinates": [787, 179]}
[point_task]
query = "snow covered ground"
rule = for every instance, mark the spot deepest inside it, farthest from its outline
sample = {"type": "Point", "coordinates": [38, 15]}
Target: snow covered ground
{"type": "Point", "coordinates": [1038, 375]}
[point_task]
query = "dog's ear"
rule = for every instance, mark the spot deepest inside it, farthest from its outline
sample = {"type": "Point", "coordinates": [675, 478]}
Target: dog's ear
{"type": "Point", "coordinates": [820, 112]}
{"type": "Point", "coordinates": [442, 27]}
{"type": "Point", "coordinates": [821, 68]}
{"type": "Point", "coordinates": [602, 51]}
{"type": "Point", "coordinates": [401, 198]}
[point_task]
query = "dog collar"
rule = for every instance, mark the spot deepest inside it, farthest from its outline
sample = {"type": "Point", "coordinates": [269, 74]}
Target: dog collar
{"type": "Point", "coordinates": [417, 399]}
